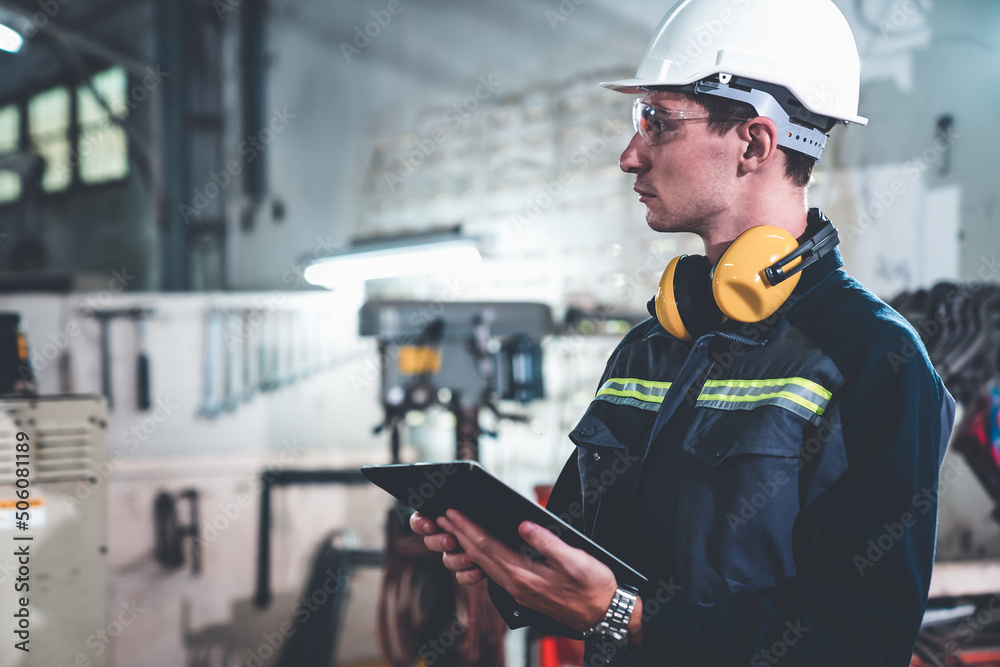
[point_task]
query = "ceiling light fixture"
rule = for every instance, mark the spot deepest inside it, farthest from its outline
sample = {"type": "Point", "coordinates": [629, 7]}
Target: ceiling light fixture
{"type": "Point", "coordinates": [416, 254]}
{"type": "Point", "coordinates": [10, 39]}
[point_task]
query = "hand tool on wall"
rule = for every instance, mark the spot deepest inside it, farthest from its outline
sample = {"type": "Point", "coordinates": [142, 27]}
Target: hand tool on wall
{"type": "Point", "coordinates": [249, 383]}
{"type": "Point", "coordinates": [329, 349]}
{"type": "Point", "coordinates": [170, 533]}
{"type": "Point", "coordinates": [288, 348]}
{"type": "Point", "coordinates": [263, 359]}
{"type": "Point", "coordinates": [104, 318]}
{"type": "Point", "coordinates": [142, 368]}
{"type": "Point", "coordinates": [301, 345]}
{"type": "Point", "coordinates": [309, 336]}
{"type": "Point", "coordinates": [274, 351]}
{"type": "Point", "coordinates": [210, 406]}
{"type": "Point", "coordinates": [289, 376]}
{"type": "Point", "coordinates": [232, 340]}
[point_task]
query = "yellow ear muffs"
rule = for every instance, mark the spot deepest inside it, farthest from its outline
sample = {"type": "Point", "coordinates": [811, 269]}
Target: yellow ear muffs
{"type": "Point", "coordinates": [684, 303]}
{"type": "Point", "coordinates": [740, 287]}
{"type": "Point", "coordinates": [666, 303]}
{"type": "Point", "coordinates": [750, 282]}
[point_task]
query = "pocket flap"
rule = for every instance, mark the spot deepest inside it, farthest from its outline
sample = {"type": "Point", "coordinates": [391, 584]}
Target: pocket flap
{"type": "Point", "coordinates": [770, 432]}
{"type": "Point", "coordinates": [593, 432]}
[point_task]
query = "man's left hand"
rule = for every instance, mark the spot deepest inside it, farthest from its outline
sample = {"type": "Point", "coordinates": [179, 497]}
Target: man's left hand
{"type": "Point", "coordinates": [569, 585]}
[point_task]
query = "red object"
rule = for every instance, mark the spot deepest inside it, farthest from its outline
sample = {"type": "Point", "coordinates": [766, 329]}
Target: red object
{"type": "Point", "coordinates": [559, 652]}
{"type": "Point", "coordinates": [980, 658]}
{"type": "Point", "coordinates": [556, 651]}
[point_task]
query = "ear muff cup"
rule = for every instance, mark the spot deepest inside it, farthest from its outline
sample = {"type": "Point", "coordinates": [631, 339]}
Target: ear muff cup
{"type": "Point", "coordinates": [739, 287]}
{"type": "Point", "coordinates": [693, 295]}
{"type": "Point", "coordinates": [685, 306]}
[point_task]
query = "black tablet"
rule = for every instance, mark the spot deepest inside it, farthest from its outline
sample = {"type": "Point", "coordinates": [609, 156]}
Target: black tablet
{"type": "Point", "coordinates": [433, 488]}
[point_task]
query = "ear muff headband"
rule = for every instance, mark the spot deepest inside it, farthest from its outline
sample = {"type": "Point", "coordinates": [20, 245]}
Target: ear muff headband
{"type": "Point", "coordinates": [821, 243]}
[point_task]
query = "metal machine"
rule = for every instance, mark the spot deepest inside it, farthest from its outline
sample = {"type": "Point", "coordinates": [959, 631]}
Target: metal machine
{"type": "Point", "coordinates": [465, 357]}
{"type": "Point", "coordinates": [63, 576]}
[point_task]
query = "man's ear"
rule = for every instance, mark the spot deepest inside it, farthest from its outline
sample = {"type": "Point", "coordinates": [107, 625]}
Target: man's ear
{"type": "Point", "coordinates": [759, 141]}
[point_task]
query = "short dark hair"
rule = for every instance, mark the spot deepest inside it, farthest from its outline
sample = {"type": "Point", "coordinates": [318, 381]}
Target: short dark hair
{"type": "Point", "coordinates": [798, 166]}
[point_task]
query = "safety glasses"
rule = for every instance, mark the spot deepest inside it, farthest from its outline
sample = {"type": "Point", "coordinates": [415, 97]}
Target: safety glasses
{"type": "Point", "coordinates": [657, 125]}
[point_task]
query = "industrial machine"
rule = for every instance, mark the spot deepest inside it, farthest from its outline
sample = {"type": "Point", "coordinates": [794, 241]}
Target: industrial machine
{"type": "Point", "coordinates": [54, 516]}
{"type": "Point", "coordinates": [464, 357]}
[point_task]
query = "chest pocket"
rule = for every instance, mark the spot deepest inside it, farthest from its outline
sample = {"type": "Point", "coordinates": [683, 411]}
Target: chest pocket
{"type": "Point", "coordinates": [740, 493]}
{"type": "Point", "coordinates": [717, 436]}
{"type": "Point", "coordinates": [754, 418]}
{"type": "Point", "coordinates": [609, 439]}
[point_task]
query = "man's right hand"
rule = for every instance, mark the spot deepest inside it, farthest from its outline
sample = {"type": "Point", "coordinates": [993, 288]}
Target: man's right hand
{"type": "Point", "coordinates": [435, 539]}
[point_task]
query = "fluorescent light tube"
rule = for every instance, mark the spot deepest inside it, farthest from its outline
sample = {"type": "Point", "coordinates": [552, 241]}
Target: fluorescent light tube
{"type": "Point", "coordinates": [10, 39]}
{"type": "Point", "coordinates": [442, 257]}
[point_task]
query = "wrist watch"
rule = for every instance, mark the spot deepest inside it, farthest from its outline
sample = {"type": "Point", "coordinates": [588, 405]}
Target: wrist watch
{"type": "Point", "coordinates": [612, 631]}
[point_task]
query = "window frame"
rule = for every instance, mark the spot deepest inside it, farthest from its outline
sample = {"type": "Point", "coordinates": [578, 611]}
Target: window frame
{"type": "Point", "coordinates": [76, 184]}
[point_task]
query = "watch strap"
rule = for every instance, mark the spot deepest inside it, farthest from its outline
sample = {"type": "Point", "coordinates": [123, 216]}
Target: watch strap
{"type": "Point", "coordinates": [619, 613]}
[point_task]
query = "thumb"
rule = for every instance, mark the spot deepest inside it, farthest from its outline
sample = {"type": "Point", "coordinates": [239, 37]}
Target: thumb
{"type": "Point", "coordinates": [544, 542]}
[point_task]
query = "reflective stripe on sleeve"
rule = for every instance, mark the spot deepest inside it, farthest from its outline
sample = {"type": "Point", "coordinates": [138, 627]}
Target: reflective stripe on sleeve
{"type": "Point", "coordinates": [643, 394]}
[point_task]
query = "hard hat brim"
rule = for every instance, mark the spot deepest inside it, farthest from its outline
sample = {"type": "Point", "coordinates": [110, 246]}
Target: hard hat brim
{"type": "Point", "coordinates": [629, 86]}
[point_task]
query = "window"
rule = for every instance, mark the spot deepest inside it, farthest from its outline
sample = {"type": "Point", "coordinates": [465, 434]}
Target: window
{"type": "Point", "coordinates": [55, 119]}
{"type": "Point", "coordinates": [48, 123]}
{"type": "Point", "coordinates": [102, 147]}
{"type": "Point", "coordinates": [10, 138]}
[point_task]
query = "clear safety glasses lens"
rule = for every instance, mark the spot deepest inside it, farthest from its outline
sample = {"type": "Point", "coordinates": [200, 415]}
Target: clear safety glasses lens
{"type": "Point", "coordinates": [656, 125]}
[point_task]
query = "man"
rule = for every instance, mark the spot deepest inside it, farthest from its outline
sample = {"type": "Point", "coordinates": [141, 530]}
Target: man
{"type": "Point", "coordinates": [774, 476]}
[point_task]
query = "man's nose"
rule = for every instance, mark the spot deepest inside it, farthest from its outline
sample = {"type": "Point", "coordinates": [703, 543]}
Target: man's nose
{"type": "Point", "coordinates": [633, 160]}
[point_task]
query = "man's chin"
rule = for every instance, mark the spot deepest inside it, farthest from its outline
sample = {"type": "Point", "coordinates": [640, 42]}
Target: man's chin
{"type": "Point", "coordinates": [660, 223]}
{"type": "Point", "coordinates": [655, 220]}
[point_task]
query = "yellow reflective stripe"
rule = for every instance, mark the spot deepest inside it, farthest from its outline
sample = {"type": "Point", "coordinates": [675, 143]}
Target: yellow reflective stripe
{"type": "Point", "coordinates": [606, 391]}
{"type": "Point", "coordinates": [645, 383]}
{"type": "Point", "coordinates": [802, 382]}
{"type": "Point", "coordinates": [643, 390]}
{"type": "Point", "coordinates": [796, 390]}
{"type": "Point", "coordinates": [794, 398]}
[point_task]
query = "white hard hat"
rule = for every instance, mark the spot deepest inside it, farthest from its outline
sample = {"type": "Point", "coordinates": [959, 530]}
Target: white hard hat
{"type": "Point", "coordinates": [759, 51]}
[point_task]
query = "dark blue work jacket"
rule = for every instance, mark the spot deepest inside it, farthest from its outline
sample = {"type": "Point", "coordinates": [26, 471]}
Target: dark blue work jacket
{"type": "Point", "coordinates": [775, 482]}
